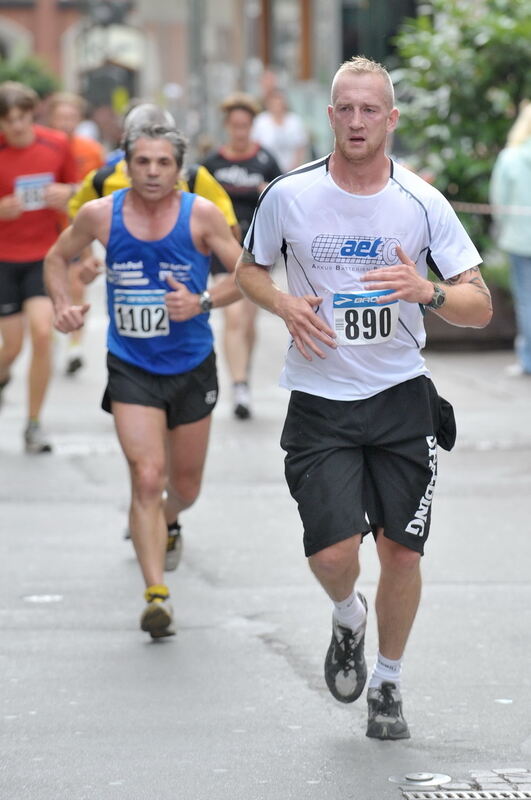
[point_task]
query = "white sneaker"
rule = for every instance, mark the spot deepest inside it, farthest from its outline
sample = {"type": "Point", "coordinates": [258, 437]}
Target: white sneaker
{"type": "Point", "coordinates": [174, 549]}
{"type": "Point", "coordinates": [35, 440]}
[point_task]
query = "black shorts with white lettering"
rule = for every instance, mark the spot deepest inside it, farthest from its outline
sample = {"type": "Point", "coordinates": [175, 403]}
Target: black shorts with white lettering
{"type": "Point", "coordinates": [185, 397]}
{"type": "Point", "coordinates": [355, 466]}
{"type": "Point", "coordinates": [19, 281]}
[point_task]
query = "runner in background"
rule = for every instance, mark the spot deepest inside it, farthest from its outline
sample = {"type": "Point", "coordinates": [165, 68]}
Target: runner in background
{"type": "Point", "coordinates": [114, 175]}
{"type": "Point", "coordinates": [65, 113]}
{"type": "Point", "coordinates": [244, 169]}
{"type": "Point", "coordinates": [162, 384]}
{"type": "Point", "coordinates": [37, 178]}
{"type": "Point", "coordinates": [281, 131]}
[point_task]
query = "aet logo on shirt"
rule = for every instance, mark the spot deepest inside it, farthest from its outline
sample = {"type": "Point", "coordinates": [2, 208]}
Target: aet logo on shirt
{"type": "Point", "coordinates": [365, 248]}
{"type": "Point", "coordinates": [368, 250]}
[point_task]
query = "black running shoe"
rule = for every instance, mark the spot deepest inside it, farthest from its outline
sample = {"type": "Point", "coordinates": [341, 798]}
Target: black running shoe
{"type": "Point", "coordinates": [385, 713]}
{"type": "Point", "coordinates": [74, 365]}
{"type": "Point", "coordinates": [242, 401]}
{"type": "Point", "coordinates": [345, 668]}
{"type": "Point", "coordinates": [157, 619]}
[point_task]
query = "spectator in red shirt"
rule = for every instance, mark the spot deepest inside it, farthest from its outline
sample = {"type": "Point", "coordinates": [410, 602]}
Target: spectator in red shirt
{"type": "Point", "coordinates": [65, 112]}
{"type": "Point", "coordinates": [37, 178]}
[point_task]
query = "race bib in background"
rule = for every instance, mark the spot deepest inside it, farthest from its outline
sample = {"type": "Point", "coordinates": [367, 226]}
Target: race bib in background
{"type": "Point", "coordinates": [30, 189]}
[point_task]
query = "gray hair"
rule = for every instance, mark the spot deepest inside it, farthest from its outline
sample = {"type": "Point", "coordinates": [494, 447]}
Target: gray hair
{"type": "Point", "coordinates": [147, 114]}
{"type": "Point", "coordinates": [155, 131]}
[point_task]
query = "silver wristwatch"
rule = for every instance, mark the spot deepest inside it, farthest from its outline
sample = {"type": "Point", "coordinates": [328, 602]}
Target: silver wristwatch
{"type": "Point", "coordinates": [205, 302]}
{"type": "Point", "coordinates": [438, 299]}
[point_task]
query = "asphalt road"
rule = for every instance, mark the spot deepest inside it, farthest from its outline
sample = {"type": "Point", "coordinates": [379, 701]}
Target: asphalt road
{"type": "Point", "coordinates": [235, 706]}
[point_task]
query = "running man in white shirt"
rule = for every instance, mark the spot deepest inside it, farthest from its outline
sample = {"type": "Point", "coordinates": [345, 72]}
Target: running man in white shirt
{"type": "Point", "coordinates": [357, 233]}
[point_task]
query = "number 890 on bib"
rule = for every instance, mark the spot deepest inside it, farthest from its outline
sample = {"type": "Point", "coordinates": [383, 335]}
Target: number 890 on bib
{"type": "Point", "coordinates": [359, 319]}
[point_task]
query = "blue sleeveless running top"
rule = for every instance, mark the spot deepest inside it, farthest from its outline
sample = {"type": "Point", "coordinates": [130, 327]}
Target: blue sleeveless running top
{"type": "Point", "coordinates": [140, 331]}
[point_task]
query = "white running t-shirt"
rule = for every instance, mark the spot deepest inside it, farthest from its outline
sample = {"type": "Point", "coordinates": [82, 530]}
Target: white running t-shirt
{"type": "Point", "coordinates": [328, 239]}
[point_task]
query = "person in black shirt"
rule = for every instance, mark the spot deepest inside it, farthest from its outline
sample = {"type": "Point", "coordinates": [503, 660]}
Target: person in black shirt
{"type": "Point", "coordinates": [244, 169]}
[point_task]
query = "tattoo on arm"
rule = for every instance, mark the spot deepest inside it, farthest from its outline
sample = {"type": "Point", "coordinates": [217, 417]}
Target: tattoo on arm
{"type": "Point", "coordinates": [248, 258]}
{"type": "Point", "coordinates": [472, 276]}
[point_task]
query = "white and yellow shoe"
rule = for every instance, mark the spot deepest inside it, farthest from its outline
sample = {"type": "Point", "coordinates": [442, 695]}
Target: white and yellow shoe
{"type": "Point", "coordinates": [157, 617]}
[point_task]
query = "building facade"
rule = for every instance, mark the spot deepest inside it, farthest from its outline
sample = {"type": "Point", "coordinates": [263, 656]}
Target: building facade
{"type": "Point", "coordinates": [188, 54]}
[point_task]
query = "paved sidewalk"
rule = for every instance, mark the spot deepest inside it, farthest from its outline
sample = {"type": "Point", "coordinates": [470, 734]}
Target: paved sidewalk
{"type": "Point", "coordinates": [235, 706]}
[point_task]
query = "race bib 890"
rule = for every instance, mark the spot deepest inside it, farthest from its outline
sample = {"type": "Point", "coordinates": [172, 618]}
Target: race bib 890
{"type": "Point", "coordinates": [141, 314]}
{"type": "Point", "coordinates": [359, 319]}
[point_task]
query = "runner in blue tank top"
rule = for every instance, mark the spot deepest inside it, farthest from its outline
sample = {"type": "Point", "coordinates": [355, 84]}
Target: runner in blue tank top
{"type": "Point", "coordinates": [140, 332]}
{"type": "Point", "coordinates": [162, 384]}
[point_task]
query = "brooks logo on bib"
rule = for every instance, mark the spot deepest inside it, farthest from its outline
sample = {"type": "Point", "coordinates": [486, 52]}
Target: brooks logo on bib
{"type": "Point", "coordinates": [360, 319]}
{"type": "Point", "coordinates": [141, 314]}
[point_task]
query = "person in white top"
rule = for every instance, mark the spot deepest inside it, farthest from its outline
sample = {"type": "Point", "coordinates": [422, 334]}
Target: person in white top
{"type": "Point", "coordinates": [281, 131]}
{"type": "Point", "coordinates": [357, 233]}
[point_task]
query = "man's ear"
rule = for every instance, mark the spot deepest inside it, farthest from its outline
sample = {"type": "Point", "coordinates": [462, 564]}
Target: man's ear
{"type": "Point", "coordinates": [393, 118]}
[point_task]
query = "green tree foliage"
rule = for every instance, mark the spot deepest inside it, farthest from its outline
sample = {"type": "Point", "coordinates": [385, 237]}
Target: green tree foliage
{"type": "Point", "coordinates": [463, 69]}
{"type": "Point", "coordinates": [31, 72]}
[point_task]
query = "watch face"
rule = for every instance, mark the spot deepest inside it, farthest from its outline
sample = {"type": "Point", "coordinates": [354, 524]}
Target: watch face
{"type": "Point", "coordinates": [439, 297]}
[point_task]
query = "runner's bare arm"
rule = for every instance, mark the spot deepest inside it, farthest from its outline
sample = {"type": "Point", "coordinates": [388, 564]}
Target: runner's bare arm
{"type": "Point", "coordinates": [71, 243]}
{"type": "Point", "coordinates": [219, 239]}
{"type": "Point", "coordinates": [467, 299]}
{"type": "Point", "coordinates": [210, 233]}
{"type": "Point", "coordinates": [298, 313]}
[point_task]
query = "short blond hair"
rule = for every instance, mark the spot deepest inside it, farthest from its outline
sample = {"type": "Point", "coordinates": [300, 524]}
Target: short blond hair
{"type": "Point", "coordinates": [239, 101]}
{"type": "Point", "coordinates": [360, 65]}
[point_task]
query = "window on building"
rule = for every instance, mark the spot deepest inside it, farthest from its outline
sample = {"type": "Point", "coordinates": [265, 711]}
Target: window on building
{"type": "Point", "coordinates": [368, 26]}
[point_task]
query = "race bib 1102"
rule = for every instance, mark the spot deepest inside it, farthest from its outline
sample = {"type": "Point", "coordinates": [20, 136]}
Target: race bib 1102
{"type": "Point", "coordinates": [359, 319]}
{"type": "Point", "coordinates": [141, 314]}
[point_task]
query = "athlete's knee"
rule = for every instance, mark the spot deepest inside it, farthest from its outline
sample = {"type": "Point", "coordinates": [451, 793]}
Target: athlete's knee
{"type": "Point", "coordinates": [396, 556]}
{"type": "Point", "coordinates": [9, 351]}
{"type": "Point", "coordinates": [148, 479]}
{"type": "Point", "coordinates": [336, 560]}
{"type": "Point", "coordinates": [185, 489]}
{"type": "Point", "coordinates": [41, 338]}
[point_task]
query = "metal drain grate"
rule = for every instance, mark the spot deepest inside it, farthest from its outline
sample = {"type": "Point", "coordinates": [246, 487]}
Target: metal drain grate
{"type": "Point", "coordinates": [504, 794]}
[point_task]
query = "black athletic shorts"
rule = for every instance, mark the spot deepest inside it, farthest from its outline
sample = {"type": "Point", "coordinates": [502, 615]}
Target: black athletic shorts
{"type": "Point", "coordinates": [18, 282]}
{"type": "Point", "coordinates": [354, 466]}
{"type": "Point", "coordinates": [186, 397]}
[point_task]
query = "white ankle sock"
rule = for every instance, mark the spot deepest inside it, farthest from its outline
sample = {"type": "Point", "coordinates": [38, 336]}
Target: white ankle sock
{"type": "Point", "coordinates": [350, 612]}
{"type": "Point", "coordinates": [385, 669]}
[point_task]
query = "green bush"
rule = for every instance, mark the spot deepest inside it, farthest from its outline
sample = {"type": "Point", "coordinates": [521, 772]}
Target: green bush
{"type": "Point", "coordinates": [463, 69]}
{"type": "Point", "coordinates": [32, 73]}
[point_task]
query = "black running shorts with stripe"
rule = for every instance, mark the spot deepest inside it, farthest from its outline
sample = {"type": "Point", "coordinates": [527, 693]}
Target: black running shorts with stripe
{"type": "Point", "coordinates": [354, 466]}
{"type": "Point", "coordinates": [19, 282]}
{"type": "Point", "coordinates": [185, 397]}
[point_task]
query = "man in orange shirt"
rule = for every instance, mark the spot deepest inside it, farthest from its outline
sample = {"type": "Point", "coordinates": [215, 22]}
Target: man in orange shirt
{"type": "Point", "coordinates": [65, 112]}
{"type": "Point", "coordinates": [37, 178]}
